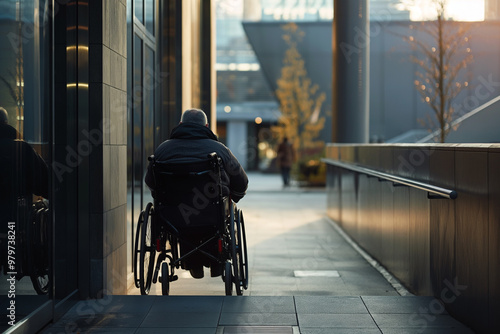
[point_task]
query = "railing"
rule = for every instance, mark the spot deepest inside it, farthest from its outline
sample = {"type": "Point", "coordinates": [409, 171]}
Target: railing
{"type": "Point", "coordinates": [433, 192]}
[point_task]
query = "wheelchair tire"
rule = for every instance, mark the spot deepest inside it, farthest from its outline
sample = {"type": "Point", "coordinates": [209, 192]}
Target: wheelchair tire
{"type": "Point", "coordinates": [228, 279]}
{"type": "Point", "coordinates": [165, 279]}
{"type": "Point", "coordinates": [39, 247]}
{"type": "Point", "coordinates": [147, 252]}
{"type": "Point", "coordinates": [242, 249]}
{"type": "Point", "coordinates": [40, 283]}
{"type": "Point", "coordinates": [235, 252]}
{"type": "Point", "coordinates": [137, 249]}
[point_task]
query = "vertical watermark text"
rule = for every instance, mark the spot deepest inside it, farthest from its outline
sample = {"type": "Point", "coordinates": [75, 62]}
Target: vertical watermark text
{"type": "Point", "coordinates": [11, 272]}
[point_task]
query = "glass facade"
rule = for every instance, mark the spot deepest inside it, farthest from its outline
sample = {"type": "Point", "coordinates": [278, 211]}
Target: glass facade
{"type": "Point", "coordinates": [143, 92]}
{"type": "Point", "coordinates": [25, 154]}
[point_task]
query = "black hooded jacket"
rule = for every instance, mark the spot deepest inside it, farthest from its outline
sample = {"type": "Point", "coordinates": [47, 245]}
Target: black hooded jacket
{"type": "Point", "coordinates": [190, 142]}
{"type": "Point", "coordinates": [22, 172]}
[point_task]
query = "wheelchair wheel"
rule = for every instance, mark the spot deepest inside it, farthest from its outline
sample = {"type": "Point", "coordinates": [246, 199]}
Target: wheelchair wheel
{"type": "Point", "coordinates": [228, 279]}
{"type": "Point", "coordinates": [147, 251]}
{"type": "Point", "coordinates": [242, 250]}
{"type": "Point", "coordinates": [165, 279]}
{"type": "Point", "coordinates": [137, 249]}
{"type": "Point", "coordinates": [40, 283]}
{"type": "Point", "coordinates": [39, 242]}
{"type": "Point", "coordinates": [235, 250]}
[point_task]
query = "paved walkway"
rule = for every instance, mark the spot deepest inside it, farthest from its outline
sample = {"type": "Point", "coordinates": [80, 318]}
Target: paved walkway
{"type": "Point", "coordinates": [304, 278]}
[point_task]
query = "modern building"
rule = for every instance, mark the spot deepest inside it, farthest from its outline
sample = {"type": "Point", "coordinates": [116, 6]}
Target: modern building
{"type": "Point", "coordinates": [396, 111]}
{"type": "Point", "coordinates": [93, 87]}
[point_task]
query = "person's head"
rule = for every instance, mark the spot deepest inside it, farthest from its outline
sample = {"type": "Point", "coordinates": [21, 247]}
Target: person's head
{"type": "Point", "coordinates": [196, 116]}
{"type": "Point", "coordinates": [285, 139]}
{"type": "Point", "coordinates": [4, 116]}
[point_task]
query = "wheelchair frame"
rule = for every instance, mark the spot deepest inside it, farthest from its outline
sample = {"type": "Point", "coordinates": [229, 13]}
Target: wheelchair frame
{"type": "Point", "coordinates": [30, 236]}
{"type": "Point", "coordinates": [158, 239]}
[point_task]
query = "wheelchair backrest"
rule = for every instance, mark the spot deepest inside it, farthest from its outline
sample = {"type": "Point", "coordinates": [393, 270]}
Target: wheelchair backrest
{"type": "Point", "coordinates": [188, 194]}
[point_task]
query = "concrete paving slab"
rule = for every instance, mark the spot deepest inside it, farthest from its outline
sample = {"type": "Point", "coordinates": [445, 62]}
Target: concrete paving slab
{"type": "Point", "coordinates": [187, 304]}
{"type": "Point", "coordinates": [338, 330]}
{"type": "Point", "coordinates": [259, 304]}
{"type": "Point", "coordinates": [353, 321]}
{"type": "Point", "coordinates": [181, 319]}
{"type": "Point", "coordinates": [403, 304]}
{"type": "Point", "coordinates": [113, 304]}
{"type": "Point", "coordinates": [414, 321]}
{"type": "Point", "coordinates": [170, 330]}
{"type": "Point", "coordinates": [418, 330]}
{"type": "Point", "coordinates": [329, 305]}
{"type": "Point", "coordinates": [258, 319]}
{"type": "Point", "coordinates": [103, 330]}
{"type": "Point", "coordinates": [74, 323]}
{"type": "Point", "coordinates": [259, 330]}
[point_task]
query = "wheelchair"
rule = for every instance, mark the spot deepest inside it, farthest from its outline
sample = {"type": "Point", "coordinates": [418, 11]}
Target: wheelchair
{"type": "Point", "coordinates": [190, 220]}
{"type": "Point", "coordinates": [29, 255]}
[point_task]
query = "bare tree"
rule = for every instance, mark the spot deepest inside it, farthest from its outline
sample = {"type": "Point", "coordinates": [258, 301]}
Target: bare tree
{"type": "Point", "coordinates": [440, 63]}
{"type": "Point", "coordinates": [300, 100]}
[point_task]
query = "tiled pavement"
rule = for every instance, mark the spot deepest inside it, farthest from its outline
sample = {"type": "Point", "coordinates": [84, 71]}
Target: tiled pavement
{"type": "Point", "coordinates": [287, 232]}
{"type": "Point", "coordinates": [259, 314]}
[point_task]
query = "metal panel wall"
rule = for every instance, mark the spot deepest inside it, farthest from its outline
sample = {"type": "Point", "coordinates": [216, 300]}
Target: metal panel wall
{"type": "Point", "coordinates": [441, 247]}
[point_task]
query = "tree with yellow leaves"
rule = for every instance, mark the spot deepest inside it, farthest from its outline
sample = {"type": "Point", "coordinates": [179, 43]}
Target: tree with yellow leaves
{"type": "Point", "coordinates": [300, 100]}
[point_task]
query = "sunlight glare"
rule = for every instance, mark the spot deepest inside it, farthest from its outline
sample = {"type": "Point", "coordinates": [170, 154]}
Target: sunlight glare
{"type": "Point", "coordinates": [466, 10]}
{"type": "Point", "coordinates": [458, 10]}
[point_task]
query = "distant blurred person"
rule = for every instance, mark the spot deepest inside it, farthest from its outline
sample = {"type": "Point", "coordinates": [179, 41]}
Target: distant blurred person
{"type": "Point", "coordinates": [286, 158]}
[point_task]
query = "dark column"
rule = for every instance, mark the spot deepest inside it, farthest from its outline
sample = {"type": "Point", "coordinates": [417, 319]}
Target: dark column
{"type": "Point", "coordinates": [206, 58]}
{"type": "Point", "coordinates": [351, 55]}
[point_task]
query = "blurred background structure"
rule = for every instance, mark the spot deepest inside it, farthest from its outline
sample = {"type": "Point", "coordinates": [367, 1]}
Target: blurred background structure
{"type": "Point", "coordinates": [250, 51]}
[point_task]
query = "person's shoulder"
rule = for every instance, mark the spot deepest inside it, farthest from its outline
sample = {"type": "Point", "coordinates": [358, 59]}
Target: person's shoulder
{"type": "Point", "coordinates": [165, 144]}
{"type": "Point", "coordinates": [220, 148]}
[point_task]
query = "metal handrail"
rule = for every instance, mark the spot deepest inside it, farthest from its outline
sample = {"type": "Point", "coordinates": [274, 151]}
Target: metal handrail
{"type": "Point", "coordinates": [432, 191]}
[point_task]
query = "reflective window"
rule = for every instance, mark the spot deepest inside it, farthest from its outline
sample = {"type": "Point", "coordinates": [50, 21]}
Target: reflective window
{"type": "Point", "coordinates": [24, 157]}
{"type": "Point", "coordinates": [149, 99]}
{"type": "Point", "coordinates": [150, 18]}
{"type": "Point", "coordinates": [137, 121]}
{"type": "Point", "coordinates": [139, 10]}
{"type": "Point", "coordinates": [141, 114]}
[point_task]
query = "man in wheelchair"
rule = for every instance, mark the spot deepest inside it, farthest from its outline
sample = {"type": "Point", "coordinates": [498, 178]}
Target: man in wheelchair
{"type": "Point", "coordinates": [190, 142]}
